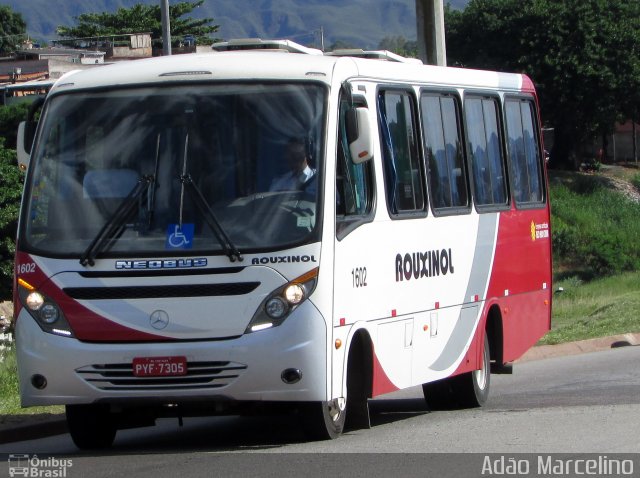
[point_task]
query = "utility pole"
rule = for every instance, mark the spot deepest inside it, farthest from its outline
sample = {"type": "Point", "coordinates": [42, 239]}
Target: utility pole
{"type": "Point", "coordinates": [634, 141]}
{"type": "Point", "coordinates": [166, 27]}
{"type": "Point", "coordinates": [318, 35]}
{"type": "Point", "coordinates": [431, 42]}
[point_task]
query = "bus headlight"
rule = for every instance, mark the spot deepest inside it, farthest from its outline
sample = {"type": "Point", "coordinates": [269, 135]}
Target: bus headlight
{"type": "Point", "coordinates": [294, 293]}
{"type": "Point", "coordinates": [44, 310]}
{"type": "Point", "coordinates": [282, 301]}
{"type": "Point", "coordinates": [276, 308]}
{"type": "Point", "coordinates": [49, 313]}
{"type": "Point", "coordinates": [34, 301]}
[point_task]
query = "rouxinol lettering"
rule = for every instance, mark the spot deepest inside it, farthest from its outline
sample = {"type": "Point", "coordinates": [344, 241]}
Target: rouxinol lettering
{"type": "Point", "coordinates": [424, 264]}
{"type": "Point", "coordinates": [282, 259]}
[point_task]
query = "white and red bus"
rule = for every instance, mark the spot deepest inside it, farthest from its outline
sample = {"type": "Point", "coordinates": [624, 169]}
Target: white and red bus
{"type": "Point", "coordinates": [159, 271]}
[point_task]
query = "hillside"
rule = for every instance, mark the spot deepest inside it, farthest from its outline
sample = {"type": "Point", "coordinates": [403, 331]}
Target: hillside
{"type": "Point", "coordinates": [359, 22]}
{"type": "Point", "coordinates": [594, 219]}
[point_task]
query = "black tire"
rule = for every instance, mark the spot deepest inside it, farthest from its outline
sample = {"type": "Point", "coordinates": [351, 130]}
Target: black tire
{"type": "Point", "coordinates": [358, 387]}
{"type": "Point", "coordinates": [468, 390]}
{"type": "Point", "coordinates": [91, 426]}
{"type": "Point", "coordinates": [323, 420]}
{"type": "Point", "coordinates": [472, 388]}
{"type": "Point", "coordinates": [327, 420]}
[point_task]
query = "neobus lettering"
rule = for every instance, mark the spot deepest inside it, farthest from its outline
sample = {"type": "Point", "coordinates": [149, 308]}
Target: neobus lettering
{"type": "Point", "coordinates": [282, 259]}
{"type": "Point", "coordinates": [424, 264]}
{"type": "Point", "coordinates": [162, 264]}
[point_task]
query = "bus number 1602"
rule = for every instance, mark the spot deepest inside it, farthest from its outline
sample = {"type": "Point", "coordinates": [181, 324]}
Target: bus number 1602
{"type": "Point", "coordinates": [359, 276]}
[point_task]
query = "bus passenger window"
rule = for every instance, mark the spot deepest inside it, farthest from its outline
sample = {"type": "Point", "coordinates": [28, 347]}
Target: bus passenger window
{"type": "Point", "coordinates": [485, 152]}
{"type": "Point", "coordinates": [444, 152]}
{"type": "Point", "coordinates": [402, 165]}
{"type": "Point", "coordinates": [524, 152]}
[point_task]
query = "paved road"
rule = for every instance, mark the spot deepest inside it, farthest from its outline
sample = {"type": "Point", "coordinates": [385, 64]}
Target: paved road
{"type": "Point", "coordinates": [588, 403]}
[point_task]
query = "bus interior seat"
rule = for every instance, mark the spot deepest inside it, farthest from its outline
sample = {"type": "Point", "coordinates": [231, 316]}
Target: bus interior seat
{"type": "Point", "coordinates": [109, 183]}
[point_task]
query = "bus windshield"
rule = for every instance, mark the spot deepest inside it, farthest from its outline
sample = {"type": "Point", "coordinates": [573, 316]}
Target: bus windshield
{"type": "Point", "coordinates": [176, 169]}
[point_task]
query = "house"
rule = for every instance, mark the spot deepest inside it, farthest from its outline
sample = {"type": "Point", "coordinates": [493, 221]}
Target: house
{"type": "Point", "coordinates": [31, 70]}
{"type": "Point", "coordinates": [45, 65]}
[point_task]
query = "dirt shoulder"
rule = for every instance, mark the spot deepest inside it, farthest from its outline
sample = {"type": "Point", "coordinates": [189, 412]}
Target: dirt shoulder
{"type": "Point", "coordinates": [580, 347]}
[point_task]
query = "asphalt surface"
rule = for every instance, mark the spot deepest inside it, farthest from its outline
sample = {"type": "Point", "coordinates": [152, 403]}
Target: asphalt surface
{"type": "Point", "coordinates": [15, 428]}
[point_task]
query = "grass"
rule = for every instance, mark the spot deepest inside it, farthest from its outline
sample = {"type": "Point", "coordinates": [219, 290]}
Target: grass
{"type": "Point", "coordinates": [596, 249]}
{"type": "Point", "coordinates": [598, 308]}
{"type": "Point", "coordinates": [9, 399]}
{"type": "Point", "coordinates": [595, 227]}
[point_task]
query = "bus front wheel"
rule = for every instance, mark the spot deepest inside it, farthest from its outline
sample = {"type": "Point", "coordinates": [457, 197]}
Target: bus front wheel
{"type": "Point", "coordinates": [324, 420]}
{"type": "Point", "coordinates": [90, 426]}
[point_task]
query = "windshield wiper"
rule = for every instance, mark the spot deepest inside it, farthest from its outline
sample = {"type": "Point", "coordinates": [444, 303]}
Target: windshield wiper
{"type": "Point", "coordinates": [151, 197]}
{"type": "Point", "coordinates": [229, 248]}
{"type": "Point", "coordinates": [113, 226]}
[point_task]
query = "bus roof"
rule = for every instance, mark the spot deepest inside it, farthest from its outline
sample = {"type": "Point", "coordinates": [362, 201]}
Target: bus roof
{"type": "Point", "coordinates": [281, 65]}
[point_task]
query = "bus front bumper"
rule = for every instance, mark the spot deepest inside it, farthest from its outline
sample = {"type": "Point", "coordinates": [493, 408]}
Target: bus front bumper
{"type": "Point", "coordinates": [56, 370]}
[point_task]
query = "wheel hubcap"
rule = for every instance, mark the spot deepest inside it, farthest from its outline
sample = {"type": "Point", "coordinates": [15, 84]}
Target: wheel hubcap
{"type": "Point", "coordinates": [480, 376]}
{"type": "Point", "coordinates": [336, 408]}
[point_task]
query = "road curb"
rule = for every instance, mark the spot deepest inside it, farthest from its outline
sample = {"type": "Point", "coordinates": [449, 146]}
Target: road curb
{"type": "Point", "coordinates": [580, 347]}
{"type": "Point", "coordinates": [18, 428]}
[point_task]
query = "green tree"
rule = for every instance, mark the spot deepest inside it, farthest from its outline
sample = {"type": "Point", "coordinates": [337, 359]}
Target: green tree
{"type": "Point", "coordinates": [142, 18]}
{"type": "Point", "coordinates": [583, 56]}
{"type": "Point", "coordinates": [399, 45]}
{"type": "Point", "coordinates": [11, 178]}
{"type": "Point", "coordinates": [341, 45]}
{"type": "Point", "coordinates": [12, 30]}
{"type": "Point", "coordinates": [10, 117]}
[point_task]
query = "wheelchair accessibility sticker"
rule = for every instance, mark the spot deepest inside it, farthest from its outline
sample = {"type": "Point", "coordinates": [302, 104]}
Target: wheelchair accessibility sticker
{"type": "Point", "coordinates": [179, 237]}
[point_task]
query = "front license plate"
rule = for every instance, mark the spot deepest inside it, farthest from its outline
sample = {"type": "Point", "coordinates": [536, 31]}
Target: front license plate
{"type": "Point", "coordinates": [159, 366]}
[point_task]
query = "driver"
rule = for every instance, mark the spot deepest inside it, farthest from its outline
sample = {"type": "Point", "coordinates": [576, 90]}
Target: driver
{"type": "Point", "coordinates": [300, 173]}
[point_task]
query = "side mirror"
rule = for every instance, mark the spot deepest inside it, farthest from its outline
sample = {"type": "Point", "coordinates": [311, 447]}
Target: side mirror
{"type": "Point", "coordinates": [359, 135]}
{"type": "Point", "coordinates": [23, 155]}
{"type": "Point", "coordinates": [26, 133]}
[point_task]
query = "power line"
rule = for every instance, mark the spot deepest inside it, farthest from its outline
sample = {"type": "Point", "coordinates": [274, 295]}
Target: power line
{"type": "Point", "coordinates": [312, 33]}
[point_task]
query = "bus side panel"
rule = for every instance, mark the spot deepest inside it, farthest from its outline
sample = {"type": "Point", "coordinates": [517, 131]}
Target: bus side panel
{"type": "Point", "coordinates": [472, 359]}
{"type": "Point", "coordinates": [525, 322]}
{"type": "Point", "coordinates": [522, 278]}
{"type": "Point", "coordinates": [381, 382]}
{"type": "Point", "coordinates": [421, 318]}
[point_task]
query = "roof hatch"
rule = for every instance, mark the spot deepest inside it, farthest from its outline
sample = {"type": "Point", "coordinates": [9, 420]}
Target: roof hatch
{"type": "Point", "coordinates": [287, 46]}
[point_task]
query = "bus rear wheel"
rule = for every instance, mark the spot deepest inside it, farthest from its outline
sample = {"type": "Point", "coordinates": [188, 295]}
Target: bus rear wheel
{"type": "Point", "coordinates": [324, 420]}
{"type": "Point", "coordinates": [91, 426]}
{"type": "Point", "coordinates": [472, 388]}
{"type": "Point", "coordinates": [468, 390]}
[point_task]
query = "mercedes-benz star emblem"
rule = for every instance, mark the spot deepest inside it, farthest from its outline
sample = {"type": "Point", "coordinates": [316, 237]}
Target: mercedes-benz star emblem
{"type": "Point", "coordinates": [159, 319]}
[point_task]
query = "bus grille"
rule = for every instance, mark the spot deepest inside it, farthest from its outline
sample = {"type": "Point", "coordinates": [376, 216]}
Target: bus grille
{"type": "Point", "coordinates": [200, 375]}
{"type": "Point", "coordinates": [154, 292]}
